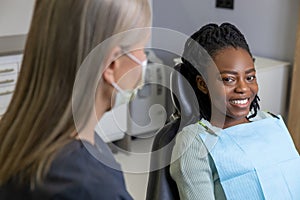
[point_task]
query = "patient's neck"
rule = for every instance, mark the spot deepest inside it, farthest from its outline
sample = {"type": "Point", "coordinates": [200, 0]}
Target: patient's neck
{"type": "Point", "coordinates": [226, 122]}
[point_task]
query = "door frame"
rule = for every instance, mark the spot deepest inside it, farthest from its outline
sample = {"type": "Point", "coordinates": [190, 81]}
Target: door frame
{"type": "Point", "coordinates": [294, 105]}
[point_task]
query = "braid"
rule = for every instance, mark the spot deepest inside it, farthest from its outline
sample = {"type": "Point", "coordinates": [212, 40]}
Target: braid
{"type": "Point", "coordinates": [254, 106]}
{"type": "Point", "coordinates": [212, 38]}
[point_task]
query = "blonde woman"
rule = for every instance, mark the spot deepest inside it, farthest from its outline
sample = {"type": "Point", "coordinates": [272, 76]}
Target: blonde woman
{"type": "Point", "coordinates": [44, 152]}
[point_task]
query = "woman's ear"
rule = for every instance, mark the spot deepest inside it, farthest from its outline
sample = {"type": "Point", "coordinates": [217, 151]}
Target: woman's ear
{"type": "Point", "coordinates": [111, 64]}
{"type": "Point", "coordinates": [201, 84]}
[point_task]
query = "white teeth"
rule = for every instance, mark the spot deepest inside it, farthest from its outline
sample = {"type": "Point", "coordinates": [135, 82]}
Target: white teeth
{"type": "Point", "coordinates": [239, 102]}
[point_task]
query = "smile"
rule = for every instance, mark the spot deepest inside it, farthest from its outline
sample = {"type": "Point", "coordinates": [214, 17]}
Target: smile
{"type": "Point", "coordinates": [239, 101]}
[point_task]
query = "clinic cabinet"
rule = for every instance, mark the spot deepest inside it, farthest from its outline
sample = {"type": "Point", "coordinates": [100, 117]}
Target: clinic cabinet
{"type": "Point", "coordinates": [273, 80]}
{"type": "Point", "coordinates": [9, 70]}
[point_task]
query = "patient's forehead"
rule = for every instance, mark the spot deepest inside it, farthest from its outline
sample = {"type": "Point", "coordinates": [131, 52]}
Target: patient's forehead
{"type": "Point", "coordinates": [232, 59]}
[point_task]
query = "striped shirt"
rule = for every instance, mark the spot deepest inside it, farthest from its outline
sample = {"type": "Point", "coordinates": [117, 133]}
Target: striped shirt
{"type": "Point", "coordinates": [192, 167]}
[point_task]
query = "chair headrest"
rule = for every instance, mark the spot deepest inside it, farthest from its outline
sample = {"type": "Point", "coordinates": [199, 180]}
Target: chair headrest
{"type": "Point", "coordinates": [183, 96]}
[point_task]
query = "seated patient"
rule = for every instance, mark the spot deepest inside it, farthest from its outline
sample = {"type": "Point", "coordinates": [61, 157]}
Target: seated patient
{"type": "Point", "coordinates": [235, 151]}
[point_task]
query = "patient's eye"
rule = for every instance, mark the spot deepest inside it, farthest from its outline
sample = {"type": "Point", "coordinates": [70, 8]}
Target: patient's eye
{"type": "Point", "coordinates": [251, 78]}
{"type": "Point", "coordinates": [228, 79]}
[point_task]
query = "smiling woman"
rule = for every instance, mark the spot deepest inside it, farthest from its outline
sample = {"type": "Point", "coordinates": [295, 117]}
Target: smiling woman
{"type": "Point", "coordinates": [235, 150]}
{"type": "Point", "coordinates": [237, 74]}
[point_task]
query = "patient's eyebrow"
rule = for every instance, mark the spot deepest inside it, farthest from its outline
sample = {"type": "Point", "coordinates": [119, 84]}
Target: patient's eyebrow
{"type": "Point", "coordinates": [235, 73]}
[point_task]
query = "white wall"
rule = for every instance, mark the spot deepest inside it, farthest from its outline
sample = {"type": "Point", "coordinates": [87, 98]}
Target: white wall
{"type": "Point", "coordinates": [268, 25]}
{"type": "Point", "coordinates": [15, 16]}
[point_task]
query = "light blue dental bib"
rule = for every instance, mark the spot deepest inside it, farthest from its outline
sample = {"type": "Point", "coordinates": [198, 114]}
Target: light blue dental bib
{"type": "Point", "coordinates": [256, 161]}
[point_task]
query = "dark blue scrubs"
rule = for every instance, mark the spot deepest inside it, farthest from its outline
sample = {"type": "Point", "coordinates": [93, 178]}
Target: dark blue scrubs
{"type": "Point", "coordinates": [76, 174]}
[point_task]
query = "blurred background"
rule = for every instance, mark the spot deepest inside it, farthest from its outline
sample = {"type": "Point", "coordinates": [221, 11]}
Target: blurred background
{"type": "Point", "coordinates": [270, 27]}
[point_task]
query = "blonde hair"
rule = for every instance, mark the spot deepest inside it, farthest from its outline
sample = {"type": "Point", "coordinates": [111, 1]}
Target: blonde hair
{"type": "Point", "coordinates": [39, 121]}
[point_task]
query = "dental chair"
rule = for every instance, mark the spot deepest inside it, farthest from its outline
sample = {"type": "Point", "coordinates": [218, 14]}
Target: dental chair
{"type": "Point", "coordinates": [160, 184]}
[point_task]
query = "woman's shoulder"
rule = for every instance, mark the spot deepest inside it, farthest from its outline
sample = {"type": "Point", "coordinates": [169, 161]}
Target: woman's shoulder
{"type": "Point", "coordinates": [189, 134]}
{"type": "Point", "coordinates": [191, 131]}
{"type": "Point", "coordinates": [262, 115]}
{"type": "Point", "coordinates": [194, 131]}
{"type": "Point", "coordinates": [81, 158]}
{"type": "Point", "coordinates": [77, 173]}
{"type": "Point", "coordinates": [188, 141]}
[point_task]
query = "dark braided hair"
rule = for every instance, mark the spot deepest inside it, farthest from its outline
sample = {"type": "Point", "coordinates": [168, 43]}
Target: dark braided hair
{"type": "Point", "coordinates": [212, 38]}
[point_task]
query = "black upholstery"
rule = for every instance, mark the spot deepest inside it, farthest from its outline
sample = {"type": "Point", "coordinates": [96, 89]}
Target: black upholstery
{"type": "Point", "coordinates": [160, 184]}
{"type": "Point", "coordinates": [183, 96]}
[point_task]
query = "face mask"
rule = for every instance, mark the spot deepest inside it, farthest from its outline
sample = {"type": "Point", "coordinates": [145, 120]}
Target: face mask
{"type": "Point", "coordinates": [143, 65]}
{"type": "Point", "coordinates": [125, 96]}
